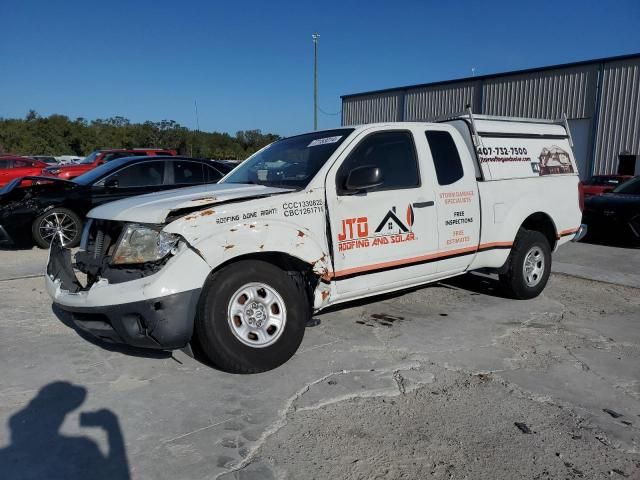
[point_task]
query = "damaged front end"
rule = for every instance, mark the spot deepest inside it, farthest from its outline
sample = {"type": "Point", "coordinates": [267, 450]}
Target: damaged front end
{"type": "Point", "coordinates": [121, 252]}
{"type": "Point", "coordinates": [124, 286]}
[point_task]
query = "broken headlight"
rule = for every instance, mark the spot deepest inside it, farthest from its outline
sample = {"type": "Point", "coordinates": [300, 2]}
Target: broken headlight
{"type": "Point", "coordinates": [142, 244]}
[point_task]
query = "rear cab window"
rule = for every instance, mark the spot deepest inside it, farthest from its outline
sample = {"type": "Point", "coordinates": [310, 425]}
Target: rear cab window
{"type": "Point", "coordinates": [446, 158]}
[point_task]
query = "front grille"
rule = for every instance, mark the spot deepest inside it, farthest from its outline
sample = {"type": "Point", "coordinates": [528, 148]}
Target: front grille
{"type": "Point", "coordinates": [98, 244]}
{"type": "Point", "coordinates": [99, 241]}
{"type": "Point", "coordinates": [102, 238]}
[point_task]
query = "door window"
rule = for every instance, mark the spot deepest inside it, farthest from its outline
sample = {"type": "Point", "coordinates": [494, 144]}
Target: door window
{"type": "Point", "coordinates": [187, 172]}
{"type": "Point", "coordinates": [144, 174]}
{"type": "Point", "coordinates": [445, 157]}
{"type": "Point", "coordinates": [393, 153]}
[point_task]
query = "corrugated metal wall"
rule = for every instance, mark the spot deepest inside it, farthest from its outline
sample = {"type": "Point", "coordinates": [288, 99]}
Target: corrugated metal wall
{"type": "Point", "coordinates": [544, 94]}
{"type": "Point", "coordinates": [619, 114]}
{"type": "Point", "coordinates": [438, 100]}
{"type": "Point", "coordinates": [384, 107]}
{"type": "Point", "coordinates": [610, 113]}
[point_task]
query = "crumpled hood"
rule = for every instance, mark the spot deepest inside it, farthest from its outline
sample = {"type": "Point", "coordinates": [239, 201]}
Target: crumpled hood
{"type": "Point", "coordinates": [42, 183]}
{"type": "Point", "coordinates": [155, 207]}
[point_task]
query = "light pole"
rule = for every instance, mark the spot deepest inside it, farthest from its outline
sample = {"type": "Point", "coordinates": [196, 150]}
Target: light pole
{"type": "Point", "coordinates": [315, 37]}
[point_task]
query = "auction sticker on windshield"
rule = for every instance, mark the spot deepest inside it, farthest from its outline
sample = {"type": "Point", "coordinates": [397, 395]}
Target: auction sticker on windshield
{"type": "Point", "coordinates": [324, 141]}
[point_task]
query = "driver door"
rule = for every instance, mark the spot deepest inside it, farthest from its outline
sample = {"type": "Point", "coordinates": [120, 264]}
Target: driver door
{"type": "Point", "coordinates": [383, 237]}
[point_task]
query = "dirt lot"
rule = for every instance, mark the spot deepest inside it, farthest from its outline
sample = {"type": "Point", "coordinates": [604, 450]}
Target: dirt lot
{"type": "Point", "coordinates": [447, 381]}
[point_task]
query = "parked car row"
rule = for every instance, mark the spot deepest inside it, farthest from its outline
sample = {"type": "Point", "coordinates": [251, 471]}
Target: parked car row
{"type": "Point", "coordinates": [38, 208]}
{"type": "Point", "coordinates": [14, 166]}
{"type": "Point", "coordinates": [97, 158]}
{"type": "Point", "coordinates": [57, 159]}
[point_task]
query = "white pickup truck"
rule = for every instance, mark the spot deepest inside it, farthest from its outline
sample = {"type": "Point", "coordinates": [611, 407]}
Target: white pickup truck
{"type": "Point", "coordinates": [319, 219]}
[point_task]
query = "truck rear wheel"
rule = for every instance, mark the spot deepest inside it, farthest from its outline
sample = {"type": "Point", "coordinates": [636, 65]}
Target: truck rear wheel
{"type": "Point", "coordinates": [251, 317]}
{"type": "Point", "coordinates": [529, 265]}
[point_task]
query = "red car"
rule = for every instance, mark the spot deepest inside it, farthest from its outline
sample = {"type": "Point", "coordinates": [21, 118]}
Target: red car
{"type": "Point", "coordinates": [13, 166]}
{"type": "Point", "coordinates": [99, 157]}
{"type": "Point", "coordinates": [599, 184]}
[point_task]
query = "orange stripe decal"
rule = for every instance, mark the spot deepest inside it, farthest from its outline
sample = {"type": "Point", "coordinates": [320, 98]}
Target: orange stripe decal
{"type": "Point", "coordinates": [564, 233]}
{"type": "Point", "coordinates": [418, 259]}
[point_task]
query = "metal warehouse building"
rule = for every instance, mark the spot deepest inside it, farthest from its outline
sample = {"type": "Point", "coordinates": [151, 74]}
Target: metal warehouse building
{"type": "Point", "coordinates": [600, 97]}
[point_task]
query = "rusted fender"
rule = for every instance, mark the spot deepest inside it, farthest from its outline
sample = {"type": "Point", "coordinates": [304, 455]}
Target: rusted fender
{"type": "Point", "coordinates": [221, 244]}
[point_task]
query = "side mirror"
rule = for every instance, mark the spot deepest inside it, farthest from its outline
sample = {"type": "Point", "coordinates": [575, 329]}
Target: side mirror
{"type": "Point", "coordinates": [111, 184]}
{"type": "Point", "coordinates": [363, 178]}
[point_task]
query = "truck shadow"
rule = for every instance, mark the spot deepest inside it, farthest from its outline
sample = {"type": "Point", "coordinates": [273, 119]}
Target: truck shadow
{"type": "Point", "coordinates": [474, 283]}
{"type": "Point", "coordinates": [39, 450]}
{"type": "Point", "coordinates": [65, 318]}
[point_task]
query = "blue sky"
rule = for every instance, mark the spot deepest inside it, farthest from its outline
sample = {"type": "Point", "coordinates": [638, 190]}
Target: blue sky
{"type": "Point", "coordinates": [249, 63]}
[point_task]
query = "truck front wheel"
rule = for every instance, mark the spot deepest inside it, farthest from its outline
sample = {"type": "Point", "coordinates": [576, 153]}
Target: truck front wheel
{"type": "Point", "coordinates": [251, 317]}
{"type": "Point", "coordinates": [529, 265]}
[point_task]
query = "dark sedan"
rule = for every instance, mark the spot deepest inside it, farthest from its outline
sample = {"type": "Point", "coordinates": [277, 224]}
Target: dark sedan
{"type": "Point", "coordinates": [46, 207]}
{"type": "Point", "coordinates": [616, 213]}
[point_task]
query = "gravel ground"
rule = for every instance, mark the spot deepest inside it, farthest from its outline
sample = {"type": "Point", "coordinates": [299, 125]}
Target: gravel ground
{"type": "Point", "coordinates": [460, 426]}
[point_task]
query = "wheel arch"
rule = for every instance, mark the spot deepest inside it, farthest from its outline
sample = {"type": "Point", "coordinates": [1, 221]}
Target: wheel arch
{"type": "Point", "coordinates": [283, 260]}
{"type": "Point", "coordinates": [543, 223]}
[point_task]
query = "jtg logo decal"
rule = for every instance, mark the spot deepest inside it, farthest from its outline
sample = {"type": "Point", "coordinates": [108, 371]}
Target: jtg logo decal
{"type": "Point", "coordinates": [391, 229]}
{"type": "Point", "coordinates": [361, 229]}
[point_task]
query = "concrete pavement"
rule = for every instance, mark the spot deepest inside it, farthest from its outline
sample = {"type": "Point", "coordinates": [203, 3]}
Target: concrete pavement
{"type": "Point", "coordinates": [612, 264]}
{"type": "Point", "coordinates": [423, 384]}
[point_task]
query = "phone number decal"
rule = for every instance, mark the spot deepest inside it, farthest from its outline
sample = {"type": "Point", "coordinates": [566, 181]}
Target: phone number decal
{"type": "Point", "coordinates": [501, 151]}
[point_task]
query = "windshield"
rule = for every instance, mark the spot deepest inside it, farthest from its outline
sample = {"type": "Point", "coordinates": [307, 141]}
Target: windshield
{"type": "Point", "coordinates": [632, 187]}
{"type": "Point", "coordinates": [291, 162]}
{"type": "Point", "coordinates": [90, 158]}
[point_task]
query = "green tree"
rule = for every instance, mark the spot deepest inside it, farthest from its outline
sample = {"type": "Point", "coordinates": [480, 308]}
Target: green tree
{"type": "Point", "coordinates": [59, 135]}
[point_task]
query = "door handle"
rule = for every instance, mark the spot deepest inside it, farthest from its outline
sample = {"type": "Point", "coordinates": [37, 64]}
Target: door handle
{"type": "Point", "coordinates": [423, 204]}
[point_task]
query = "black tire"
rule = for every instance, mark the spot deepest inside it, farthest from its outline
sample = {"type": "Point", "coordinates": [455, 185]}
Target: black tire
{"type": "Point", "coordinates": [213, 330]}
{"type": "Point", "coordinates": [514, 281]}
{"type": "Point", "coordinates": [69, 221]}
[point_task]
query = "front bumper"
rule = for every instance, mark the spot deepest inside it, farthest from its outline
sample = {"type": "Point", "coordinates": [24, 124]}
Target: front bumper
{"type": "Point", "coordinates": [157, 311]}
{"type": "Point", "coordinates": [5, 238]}
{"type": "Point", "coordinates": [580, 234]}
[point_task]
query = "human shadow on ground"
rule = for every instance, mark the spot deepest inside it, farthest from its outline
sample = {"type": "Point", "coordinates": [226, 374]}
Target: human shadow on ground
{"type": "Point", "coordinates": [38, 449]}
